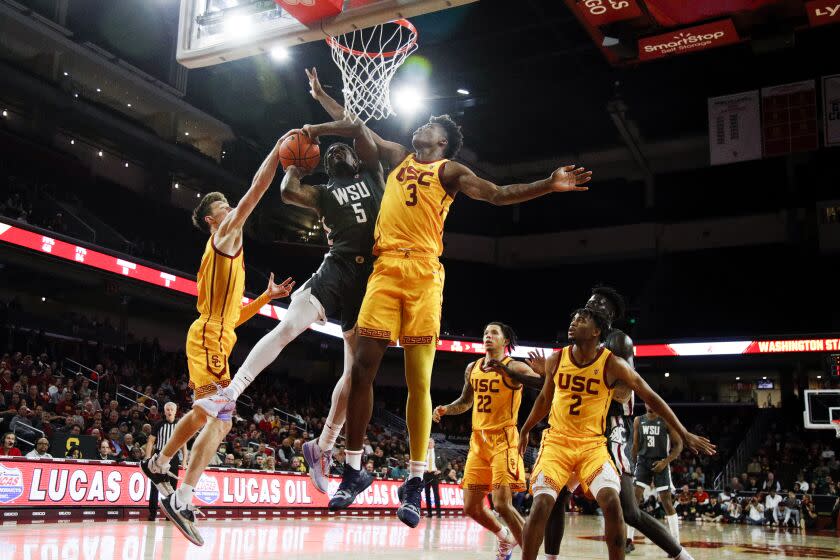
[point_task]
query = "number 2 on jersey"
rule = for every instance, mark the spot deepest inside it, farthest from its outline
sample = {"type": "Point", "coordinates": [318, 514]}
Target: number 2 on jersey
{"type": "Point", "coordinates": [574, 410]}
{"type": "Point", "coordinates": [483, 404]}
{"type": "Point", "coordinates": [412, 195]}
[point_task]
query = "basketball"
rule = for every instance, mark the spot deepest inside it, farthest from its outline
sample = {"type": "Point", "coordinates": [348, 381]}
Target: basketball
{"type": "Point", "coordinates": [300, 151]}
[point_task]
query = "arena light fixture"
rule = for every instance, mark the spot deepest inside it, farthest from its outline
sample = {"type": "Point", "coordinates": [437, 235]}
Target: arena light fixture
{"type": "Point", "coordinates": [99, 153]}
{"type": "Point", "coordinates": [738, 378]}
{"type": "Point", "coordinates": [76, 95]}
{"type": "Point", "coordinates": [126, 164]}
{"type": "Point", "coordinates": [764, 377]}
{"type": "Point", "coordinates": [819, 377]}
{"type": "Point", "coordinates": [463, 91]}
{"type": "Point", "coordinates": [128, 104]}
{"type": "Point", "coordinates": [72, 142]}
{"type": "Point", "coordinates": [237, 26]}
{"type": "Point", "coordinates": [5, 113]}
{"type": "Point", "coordinates": [198, 195]}
{"type": "Point", "coordinates": [186, 134]}
{"type": "Point", "coordinates": [176, 185]}
{"type": "Point", "coordinates": [408, 100]}
{"type": "Point", "coordinates": [66, 74]}
{"type": "Point", "coordinates": [667, 374]}
{"type": "Point", "coordinates": [43, 298]}
{"type": "Point", "coordinates": [279, 53]}
{"type": "Point", "coordinates": [98, 90]}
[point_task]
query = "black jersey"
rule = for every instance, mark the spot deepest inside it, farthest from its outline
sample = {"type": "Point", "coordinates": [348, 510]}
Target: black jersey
{"type": "Point", "coordinates": [653, 438]}
{"type": "Point", "coordinates": [615, 343]}
{"type": "Point", "coordinates": [349, 207]}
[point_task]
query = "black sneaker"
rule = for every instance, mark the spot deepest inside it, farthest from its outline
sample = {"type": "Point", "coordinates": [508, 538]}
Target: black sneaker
{"type": "Point", "coordinates": [353, 483]}
{"type": "Point", "coordinates": [629, 547]}
{"type": "Point", "coordinates": [183, 516]}
{"type": "Point", "coordinates": [409, 510]}
{"type": "Point", "coordinates": [161, 480]}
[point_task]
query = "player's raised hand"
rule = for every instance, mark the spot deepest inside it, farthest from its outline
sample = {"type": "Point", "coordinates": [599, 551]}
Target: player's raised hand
{"type": "Point", "coordinates": [536, 361]}
{"type": "Point", "coordinates": [315, 89]}
{"type": "Point", "coordinates": [293, 131]}
{"type": "Point", "coordinates": [699, 444]}
{"type": "Point", "coordinates": [276, 291]}
{"type": "Point", "coordinates": [312, 131]}
{"type": "Point", "coordinates": [438, 413]}
{"type": "Point", "coordinates": [569, 178]}
{"type": "Point", "coordinates": [494, 365]}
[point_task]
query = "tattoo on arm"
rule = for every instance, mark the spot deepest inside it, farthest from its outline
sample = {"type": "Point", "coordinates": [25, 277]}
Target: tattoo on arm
{"type": "Point", "coordinates": [465, 401]}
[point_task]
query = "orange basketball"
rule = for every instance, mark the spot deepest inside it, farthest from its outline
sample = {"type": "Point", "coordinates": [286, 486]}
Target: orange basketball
{"type": "Point", "coordinates": [300, 151]}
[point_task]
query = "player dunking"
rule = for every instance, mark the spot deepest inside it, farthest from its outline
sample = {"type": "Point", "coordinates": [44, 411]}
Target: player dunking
{"type": "Point", "coordinates": [609, 302]}
{"type": "Point", "coordinates": [348, 205]}
{"type": "Point", "coordinates": [405, 291]}
{"type": "Point", "coordinates": [493, 462]}
{"type": "Point", "coordinates": [210, 340]}
{"type": "Point", "coordinates": [655, 446]}
{"type": "Point", "coordinates": [577, 391]}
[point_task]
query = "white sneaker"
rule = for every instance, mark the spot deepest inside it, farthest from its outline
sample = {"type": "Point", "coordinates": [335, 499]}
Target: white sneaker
{"type": "Point", "coordinates": [505, 547]}
{"type": "Point", "coordinates": [221, 405]}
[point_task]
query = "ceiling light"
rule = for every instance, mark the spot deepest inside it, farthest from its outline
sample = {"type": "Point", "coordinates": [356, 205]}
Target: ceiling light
{"type": "Point", "coordinates": [667, 374]}
{"type": "Point", "coordinates": [98, 90]}
{"type": "Point", "coordinates": [129, 104]}
{"type": "Point", "coordinates": [237, 26]}
{"type": "Point", "coordinates": [186, 134]}
{"type": "Point", "coordinates": [66, 74]}
{"type": "Point", "coordinates": [819, 377]}
{"type": "Point", "coordinates": [737, 379]}
{"type": "Point", "coordinates": [198, 195]}
{"type": "Point", "coordinates": [5, 113]}
{"type": "Point", "coordinates": [72, 142]}
{"type": "Point", "coordinates": [765, 377]}
{"type": "Point", "coordinates": [43, 298]}
{"type": "Point", "coordinates": [408, 100]}
{"type": "Point", "coordinates": [176, 185]}
{"type": "Point", "coordinates": [76, 95]}
{"type": "Point", "coordinates": [100, 153]}
{"type": "Point", "coordinates": [279, 53]}
{"type": "Point", "coordinates": [463, 91]}
{"type": "Point", "coordinates": [126, 164]}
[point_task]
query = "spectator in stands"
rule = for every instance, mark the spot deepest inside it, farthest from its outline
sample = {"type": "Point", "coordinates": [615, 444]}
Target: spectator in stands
{"type": "Point", "coordinates": [40, 451]}
{"type": "Point", "coordinates": [734, 511]}
{"type": "Point", "coordinates": [137, 454]}
{"type": "Point", "coordinates": [230, 461]}
{"type": "Point", "coordinates": [115, 440]}
{"type": "Point", "coordinates": [269, 464]}
{"type": "Point", "coordinates": [285, 452]}
{"type": "Point", "coordinates": [105, 451]}
{"type": "Point", "coordinates": [337, 467]}
{"type": "Point", "coordinates": [128, 446]}
{"type": "Point", "coordinates": [735, 485]}
{"type": "Point", "coordinates": [755, 512]}
{"type": "Point", "coordinates": [9, 449]}
{"type": "Point", "coordinates": [754, 467]}
{"type": "Point", "coordinates": [683, 501]}
{"type": "Point", "coordinates": [297, 465]}
{"type": "Point", "coordinates": [399, 471]}
{"type": "Point", "coordinates": [23, 424]}
{"type": "Point", "coordinates": [752, 484]}
{"type": "Point", "coordinates": [809, 512]}
{"type": "Point", "coordinates": [702, 498]}
{"type": "Point", "coordinates": [771, 506]}
{"type": "Point", "coordinates": [713, 512]}
{"type": "Point", "coordinates": [770, 483]}
{"type": "Point", "coordinates": [793, 511]}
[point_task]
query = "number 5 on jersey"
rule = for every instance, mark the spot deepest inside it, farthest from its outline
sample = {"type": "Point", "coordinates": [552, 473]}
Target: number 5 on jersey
{"type": "Point", "coordinates": [361, 217]}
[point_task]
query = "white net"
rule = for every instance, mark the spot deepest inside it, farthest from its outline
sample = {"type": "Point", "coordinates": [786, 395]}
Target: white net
{"type": "Point", "coordinates": [368, 59]}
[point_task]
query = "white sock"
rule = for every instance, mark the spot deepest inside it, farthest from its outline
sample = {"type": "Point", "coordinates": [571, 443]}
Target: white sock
{"type": "Point", "coordinates": [631, 532]}
{"type": "Point", "coordinates": [329, 434]}
{"type": "Point", "coordinates": [674, 526]}
{"type": "Point", "coordinates": [416, 468]}
{"type": "Point", "coordinates": [184, 494]}
{"type": "Point", "coordinates": [501, 534]}
{"type": "Point", "coordinates": [353, 459]}
{"type": "Point", "coordinates": [683, 555]}
{"type": "Point", "coordinates": [240, 382]}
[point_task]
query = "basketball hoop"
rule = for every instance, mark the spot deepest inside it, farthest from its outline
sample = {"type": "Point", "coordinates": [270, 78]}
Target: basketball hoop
{"type": "Point", "coordinates": [368, 59]}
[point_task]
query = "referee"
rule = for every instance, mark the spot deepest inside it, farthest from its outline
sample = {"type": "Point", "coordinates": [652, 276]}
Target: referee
{"type": "Point", "coordinates": [161, 432]}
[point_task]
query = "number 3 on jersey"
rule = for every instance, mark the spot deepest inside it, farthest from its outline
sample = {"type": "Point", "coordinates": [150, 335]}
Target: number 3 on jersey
{"type": "Point", "coordinates": [412, 195]}
{"type": "Point", "coordinates": [361, 217]}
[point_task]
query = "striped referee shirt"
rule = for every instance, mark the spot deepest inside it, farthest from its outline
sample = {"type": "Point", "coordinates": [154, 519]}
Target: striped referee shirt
{"type": "Point", "coordinates": [162, 431]}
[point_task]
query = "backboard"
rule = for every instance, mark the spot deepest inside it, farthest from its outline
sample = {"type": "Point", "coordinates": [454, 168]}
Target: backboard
{"type": "Point", "coordinates": [215, 31]}
{"type": "Point", "coordinates": [822, 409]}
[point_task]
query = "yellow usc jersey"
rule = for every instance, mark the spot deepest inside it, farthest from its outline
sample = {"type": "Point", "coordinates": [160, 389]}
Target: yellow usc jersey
{"type": "Point", "coordinates": [221, 285]}
{"type": "Point", "coordinates": [414, 208]}
{"type": "Point", "coordinates": [495, 401]}
{"type": "Point", "coordinates": [581, 397]}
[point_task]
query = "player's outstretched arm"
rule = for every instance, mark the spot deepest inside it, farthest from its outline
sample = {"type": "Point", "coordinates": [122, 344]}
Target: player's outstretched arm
{"type": "Point", "coordinates": [296, 193]}
{"type": "Point", "coordinates": [235, 220]}
{"type": "Point", "coordinates": [518, 371]}
{"type": "Point", "coordinates": [329, 104]}
{"type": "Point", "coordinates": [542, 404]}
{"type": "Point", "coordinates": [369, 145]}
{"type": "Point", "coordinates": [458, 177]}
{"type": "Point", "coordinates": [676, 449]}
{"type": "Point", "coordinates": [274, 291]}
{"type": "Point", "coordinates": [459, 405]}
{"type": "Point", "coordinates": [617, 369]}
